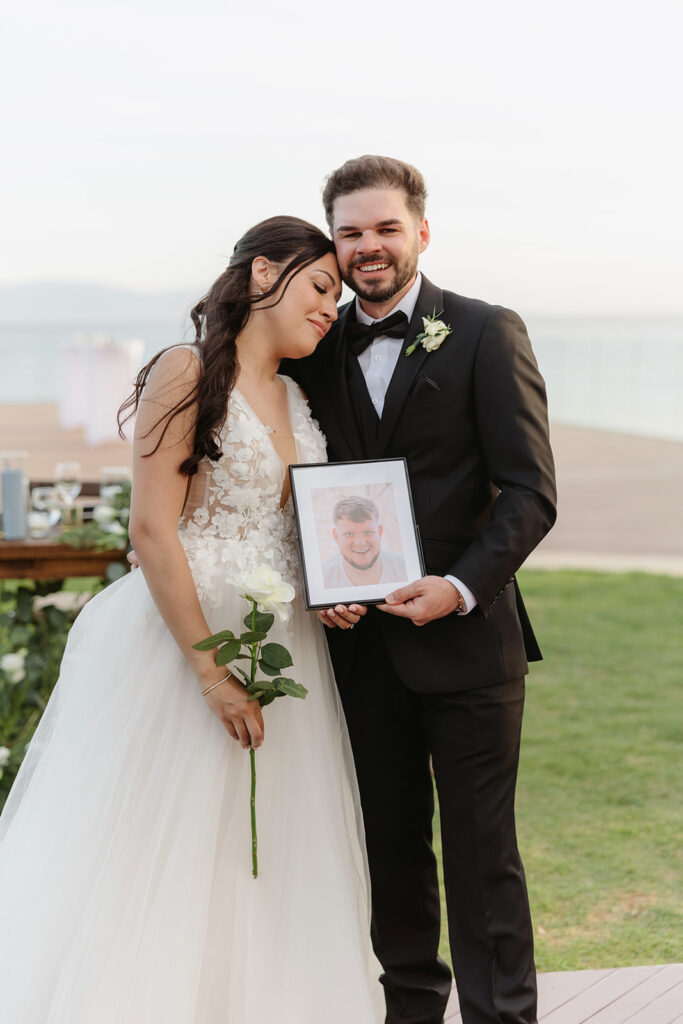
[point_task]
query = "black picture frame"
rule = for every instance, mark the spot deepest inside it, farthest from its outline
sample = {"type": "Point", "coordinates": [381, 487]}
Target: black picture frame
{"type": "Point", "coordinates": [354, 518]}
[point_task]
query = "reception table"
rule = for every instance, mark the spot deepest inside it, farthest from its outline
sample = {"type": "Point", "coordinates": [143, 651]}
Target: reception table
{"type": "Point", "coordinates": [49, 560]}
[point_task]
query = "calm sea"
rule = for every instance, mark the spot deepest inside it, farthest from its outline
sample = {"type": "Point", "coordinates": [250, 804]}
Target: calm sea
{"type": "Point", "coordinates": [615, 374]}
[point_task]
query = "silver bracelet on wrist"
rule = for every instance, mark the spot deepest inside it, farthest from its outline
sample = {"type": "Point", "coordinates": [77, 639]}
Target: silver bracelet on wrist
{"type": "Point", "coordinates": [214, 685]}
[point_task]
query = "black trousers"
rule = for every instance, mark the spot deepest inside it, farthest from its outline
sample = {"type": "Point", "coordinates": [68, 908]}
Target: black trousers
{"type": "Point", "coordinates": [472, 739]}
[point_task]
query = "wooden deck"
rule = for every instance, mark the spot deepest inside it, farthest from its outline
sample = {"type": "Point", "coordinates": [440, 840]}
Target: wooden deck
{"type": "Point", "coordinates": [626, 995]}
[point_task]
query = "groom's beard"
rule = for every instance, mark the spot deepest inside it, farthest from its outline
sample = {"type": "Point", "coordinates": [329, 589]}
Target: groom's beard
{"type": "Point", "coordinates": [362, 568]}
{"type": "Point", "coordinates": [382, 291]}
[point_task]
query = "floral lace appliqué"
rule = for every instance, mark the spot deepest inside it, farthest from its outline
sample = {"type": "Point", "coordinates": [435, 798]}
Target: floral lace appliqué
{"type": "Point", "coordinates": [232, 519]}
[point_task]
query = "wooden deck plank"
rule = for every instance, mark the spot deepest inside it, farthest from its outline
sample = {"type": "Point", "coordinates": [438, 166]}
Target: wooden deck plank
{"type": "Point", "coordinates": [554, 989]}
{"type": "Point", "coordinates": [666, 1009]}
{"type": "Point", "coordinates": [588, 1003]}
{"type": "Point", "coordinates": [559, 987]}
{"type": "Point", "coordinates": [644, 996]}
{"type": "Point", "coordinates": [651, 994]}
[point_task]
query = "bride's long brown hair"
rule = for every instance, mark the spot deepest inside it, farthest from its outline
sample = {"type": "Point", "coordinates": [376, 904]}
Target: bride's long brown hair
{"type": "Point", "coordinates": [219, 317]}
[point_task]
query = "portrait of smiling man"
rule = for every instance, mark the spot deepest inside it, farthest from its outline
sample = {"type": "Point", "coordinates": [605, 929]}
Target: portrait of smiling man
{"type": "Point", "coordinates": [357, 532]}
{"type": "Point", "coordinates": [433, 679]}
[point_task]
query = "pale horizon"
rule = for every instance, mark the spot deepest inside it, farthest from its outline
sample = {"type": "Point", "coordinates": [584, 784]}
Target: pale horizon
{"type": "Point", "coordinates": [145, 138]}
{"type": "Point", "coordinates": [187, 291]}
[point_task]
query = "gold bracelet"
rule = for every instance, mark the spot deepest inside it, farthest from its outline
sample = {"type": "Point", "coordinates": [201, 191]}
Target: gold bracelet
{"type": "Point", "coordinates": [214, 685]}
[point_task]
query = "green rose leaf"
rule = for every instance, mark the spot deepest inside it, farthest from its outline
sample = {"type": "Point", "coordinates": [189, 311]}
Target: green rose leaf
{"type": "Point", "coordinates": [227, 652]}
{"type": "Point", "coordinates": [213, 641]}
{"type": "Point", "coordinates": [276, 655]}
{"type": "Point", "coordinates": [252, 637]}
{"type": "Point", "coordinates": [261, 684]}
{"type": "Point", "coordinates": [245, 675]}
{"type": "Point", "coordinates": [268, 670]}
{"type": "Point", "coordinates": [261, 621]}
{"type": "Point", "coordinates": [289, 688]}
{"type": "Point", "coordinates": [267, 698]}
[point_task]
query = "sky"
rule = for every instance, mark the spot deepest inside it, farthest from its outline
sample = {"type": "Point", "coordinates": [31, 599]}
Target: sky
{"type": "Point", "coordinates": [142, 138]}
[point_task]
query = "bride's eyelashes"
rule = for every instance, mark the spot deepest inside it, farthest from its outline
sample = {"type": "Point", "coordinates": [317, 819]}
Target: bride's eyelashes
{"type": "Point", "coordinates": [323, 291]}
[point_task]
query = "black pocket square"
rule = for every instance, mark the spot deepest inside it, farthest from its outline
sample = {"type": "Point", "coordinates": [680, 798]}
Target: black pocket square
{"type": "Point", "coordinates": [419, 385]}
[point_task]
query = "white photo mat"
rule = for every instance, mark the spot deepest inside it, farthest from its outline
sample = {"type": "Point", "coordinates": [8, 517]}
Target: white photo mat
{"type": "Point", "coordinates": [319, 490]}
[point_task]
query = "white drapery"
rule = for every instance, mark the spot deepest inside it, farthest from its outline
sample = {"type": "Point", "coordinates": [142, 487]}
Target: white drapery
{"type": "Point", "coordinates": [96, 377]}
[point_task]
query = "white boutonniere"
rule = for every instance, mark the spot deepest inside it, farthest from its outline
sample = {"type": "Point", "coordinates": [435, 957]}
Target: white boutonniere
{"type": "Point", "coordinates": [434, 334]}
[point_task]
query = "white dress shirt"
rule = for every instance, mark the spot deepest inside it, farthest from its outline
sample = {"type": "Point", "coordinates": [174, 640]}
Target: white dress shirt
{"type": "Point", "coordinates": [378, 363]}
{"type": "Point", "coordinates": [379, 359]}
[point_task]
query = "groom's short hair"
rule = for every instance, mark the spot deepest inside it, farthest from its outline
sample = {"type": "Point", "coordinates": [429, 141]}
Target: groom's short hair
{"type": "Point", "coordinates": [367, 172]}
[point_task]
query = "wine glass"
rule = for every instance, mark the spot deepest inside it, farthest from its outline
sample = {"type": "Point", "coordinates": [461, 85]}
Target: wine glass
{"type": "Point", "coordinates": [68, 481]}
{"type": "Point", "coordinates": [112, 479]}
{"type": "Point", "coordinates": [45, 511]}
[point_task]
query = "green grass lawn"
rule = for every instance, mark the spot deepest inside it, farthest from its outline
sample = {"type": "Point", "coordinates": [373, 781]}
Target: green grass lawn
{"type": "Point", "coordinates": [599, 804]}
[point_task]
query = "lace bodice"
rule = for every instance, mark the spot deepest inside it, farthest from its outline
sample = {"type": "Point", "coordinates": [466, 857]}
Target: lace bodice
{"type": "Point", "coordinates": [232, 518]}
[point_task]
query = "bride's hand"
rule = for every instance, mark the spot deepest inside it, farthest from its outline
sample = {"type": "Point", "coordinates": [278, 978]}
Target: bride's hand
{"type": "Point", "coordinates": [242, 718]}
{"type": "Point", "coordinates": [340, 615]}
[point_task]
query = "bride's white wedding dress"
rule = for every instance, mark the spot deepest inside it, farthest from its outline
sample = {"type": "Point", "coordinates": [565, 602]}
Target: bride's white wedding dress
{"type": "Point", "coordinates": [126, 894]}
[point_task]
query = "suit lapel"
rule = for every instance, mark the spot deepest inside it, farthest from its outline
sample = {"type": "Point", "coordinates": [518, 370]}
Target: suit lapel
{"type": "Point", "coordinates": [336, 368]}
{"type": "Point", "coordinates": [429, 301]}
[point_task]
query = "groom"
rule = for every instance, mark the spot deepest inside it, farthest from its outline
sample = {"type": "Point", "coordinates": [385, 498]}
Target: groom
{"type": "Point", "coordinates": [434, 678]}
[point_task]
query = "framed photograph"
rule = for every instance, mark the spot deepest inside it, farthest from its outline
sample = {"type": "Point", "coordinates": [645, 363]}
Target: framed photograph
{"type": "Point", "coordinates": [357, 533]}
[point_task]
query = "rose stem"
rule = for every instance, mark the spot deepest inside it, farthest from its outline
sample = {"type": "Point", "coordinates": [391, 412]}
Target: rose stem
{"type": "Point", "coordinates": [254, 840]}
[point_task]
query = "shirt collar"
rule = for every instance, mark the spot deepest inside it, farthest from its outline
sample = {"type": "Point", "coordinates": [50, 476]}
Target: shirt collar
{"type": "Point", "coordinates": [406, 305]}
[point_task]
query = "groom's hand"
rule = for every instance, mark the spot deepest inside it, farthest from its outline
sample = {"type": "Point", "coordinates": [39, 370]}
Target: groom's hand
{"type": "Point", "coordinates": [341, 616]}
{"type": "Point", "coordinates": [431, 597]}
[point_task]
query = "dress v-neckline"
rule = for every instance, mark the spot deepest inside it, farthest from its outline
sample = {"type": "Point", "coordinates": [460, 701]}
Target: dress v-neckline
{"type": "Point", "coordinates": [268, 430]}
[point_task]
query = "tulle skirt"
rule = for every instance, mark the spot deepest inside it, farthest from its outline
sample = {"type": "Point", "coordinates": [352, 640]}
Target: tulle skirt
{"type": "Point", "coordinates": [126, 893]}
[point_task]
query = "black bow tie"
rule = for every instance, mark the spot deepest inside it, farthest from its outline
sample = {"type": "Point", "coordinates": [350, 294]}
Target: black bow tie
{"type": "Point", "coordinates": [359, 336]}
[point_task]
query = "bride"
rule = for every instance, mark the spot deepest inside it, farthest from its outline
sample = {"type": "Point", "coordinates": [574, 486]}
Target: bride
{"type": "Point", "coordinates": [126, 894]}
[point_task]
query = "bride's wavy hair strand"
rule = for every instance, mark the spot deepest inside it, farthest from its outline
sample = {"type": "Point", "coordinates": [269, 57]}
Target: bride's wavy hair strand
{"type": "Point", "coordinates": [219, 317]}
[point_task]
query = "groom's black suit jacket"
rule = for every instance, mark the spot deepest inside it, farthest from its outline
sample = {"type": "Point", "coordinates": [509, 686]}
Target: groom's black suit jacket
{"type": "Point", "coordinates": [471, 420]}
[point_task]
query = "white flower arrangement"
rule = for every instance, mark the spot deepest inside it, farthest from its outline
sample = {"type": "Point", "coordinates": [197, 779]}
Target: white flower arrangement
{"type": "Point", "coordinates": [13, 665]}
{"type": "Point", "coordinates": [4, 757]}
{"type": "Point", "coordinates": [433, 336]}
{"type": "Point", "coordinates": [104, 514]}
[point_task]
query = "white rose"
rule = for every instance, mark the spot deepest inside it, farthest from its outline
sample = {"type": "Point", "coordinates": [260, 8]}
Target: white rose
{"type": "Point", "coordinates": [267, 587]}
{"type": "Point", "coordinates": [13, 665]}
{"type": "Point", "coordinates": [432, 342]}
{"type": "Point", "coordinates": [433, 327]}
{"type": "Point", "coordinates": [4, 757]}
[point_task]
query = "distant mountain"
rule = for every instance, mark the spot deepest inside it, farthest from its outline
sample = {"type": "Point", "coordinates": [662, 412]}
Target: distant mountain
{"type": "Point", "coordinates": [55, 303]}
